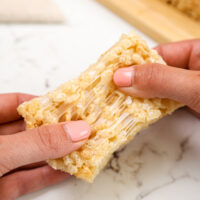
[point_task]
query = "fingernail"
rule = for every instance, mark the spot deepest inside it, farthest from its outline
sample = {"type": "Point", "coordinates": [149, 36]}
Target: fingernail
{"type": "Point", "coordinates": [77, 130]}
{"type": "Point", "coordinates": [123, 77]}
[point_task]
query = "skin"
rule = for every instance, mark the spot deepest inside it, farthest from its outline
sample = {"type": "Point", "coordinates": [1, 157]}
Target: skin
{"type": "Point", "coordinates": [22, 153]}
{"type": "Point", "coordinates": [180, 80]}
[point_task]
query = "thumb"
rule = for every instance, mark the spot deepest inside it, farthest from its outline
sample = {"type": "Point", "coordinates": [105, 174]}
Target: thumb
{"type": "Point", "coordinates": [156, 80]}
{"type": "Point", "coordinates": [46, 142]}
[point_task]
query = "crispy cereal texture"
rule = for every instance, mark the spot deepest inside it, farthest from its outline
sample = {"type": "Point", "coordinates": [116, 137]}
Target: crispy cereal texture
{"type": "Point", "coordinates": [190, 7]}
{"type": "Point", "coordinates": [114, 117]}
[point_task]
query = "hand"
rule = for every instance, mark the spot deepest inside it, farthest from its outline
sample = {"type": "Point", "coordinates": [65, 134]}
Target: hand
{"type": "Point", "coordinates": [19, 148]}
{"type": "Point", "coordinates": [179, 81]}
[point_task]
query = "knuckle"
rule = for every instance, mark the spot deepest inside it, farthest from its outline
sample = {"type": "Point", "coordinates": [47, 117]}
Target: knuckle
{"type": "Point", "coordinates": [3, 169]}
{"type": "Point", "coordinates": [49, 139]}
{"type": "Point", "coordinates": [17, 97]}
{"type": "Point", "coordinates": [4, 187]}
{"type": "Point", "coordinates": [159, 49]}
{"type": "Point", "coordinates": [21, 187]}
{"type": "Point", "coordinates": [18, 186]}
{"type": "Point", "coordinates": [196, 103]}
{"type": "Point", "coordinates": [2, 141]}
{"type": "Point", "coordinates": [150, 76]}
{"type": "Point", "coordinates": [194, 99]}
{"type": "Point", "coordinates": [4, 166]}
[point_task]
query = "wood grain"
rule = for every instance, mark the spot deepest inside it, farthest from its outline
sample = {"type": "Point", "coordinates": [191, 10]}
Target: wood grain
{"type": "Point", "coordinates": [160, 21]}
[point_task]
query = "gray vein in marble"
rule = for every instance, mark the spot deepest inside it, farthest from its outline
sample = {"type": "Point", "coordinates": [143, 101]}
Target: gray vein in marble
{"type": "Point", "coordinates": [141, 151]}
{"type": "Point", "coordinates": [185, 175]}
{"type": "Point", "coordinates": [150, 148]}
{"type": "Point", "coordinates": [117, 162]}
{"type": "Point", "coordinates": [47, 85]}
{"type": "Point", "coordinates": [19, 39]}
{"type": "Point", "coordinates": [143, 195]}
{"type": "Point", "coordinates": [55, 68]}
{"type": "Point", "coordinates": [113, 164]}
{"type": "Point", "coordinates": [183, 148]}
{"type": "Point", "coordinates": [32, 62]}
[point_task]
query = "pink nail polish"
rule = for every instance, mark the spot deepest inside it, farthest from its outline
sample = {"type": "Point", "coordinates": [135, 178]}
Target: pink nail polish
{"type": "Point", "coordinates": [123, 77]}
{"type": "Point", "coordinates": [77, 130]}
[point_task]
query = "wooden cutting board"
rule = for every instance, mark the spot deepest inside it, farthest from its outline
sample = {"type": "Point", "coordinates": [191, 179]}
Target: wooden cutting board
{"type": "Point", "coordinates": [160, 21]}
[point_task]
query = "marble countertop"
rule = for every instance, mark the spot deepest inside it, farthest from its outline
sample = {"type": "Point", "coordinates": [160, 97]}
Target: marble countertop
{"type": "Point", "coordinates": [161, 163]}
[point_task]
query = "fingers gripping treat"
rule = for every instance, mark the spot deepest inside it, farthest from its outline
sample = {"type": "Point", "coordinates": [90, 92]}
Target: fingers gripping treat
{"type": "Point", "coordinates": [114, 117]}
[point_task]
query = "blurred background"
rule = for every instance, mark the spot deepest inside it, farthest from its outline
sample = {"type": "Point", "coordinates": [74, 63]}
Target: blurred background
{"type": "Point", "coordinates": [37, 57]}
{"type": "Point", "coordinates": [44, 43]}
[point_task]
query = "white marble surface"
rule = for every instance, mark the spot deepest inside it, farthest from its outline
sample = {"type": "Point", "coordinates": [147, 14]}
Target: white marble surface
{"type": "Point", "coordinates": [162, 162]}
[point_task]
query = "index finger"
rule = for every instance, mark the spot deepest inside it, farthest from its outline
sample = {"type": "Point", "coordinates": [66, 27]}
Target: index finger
{"type": "Point", "coordinates": [9, 104]}
{"type": "Point", "coordinates": [184, 54]}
